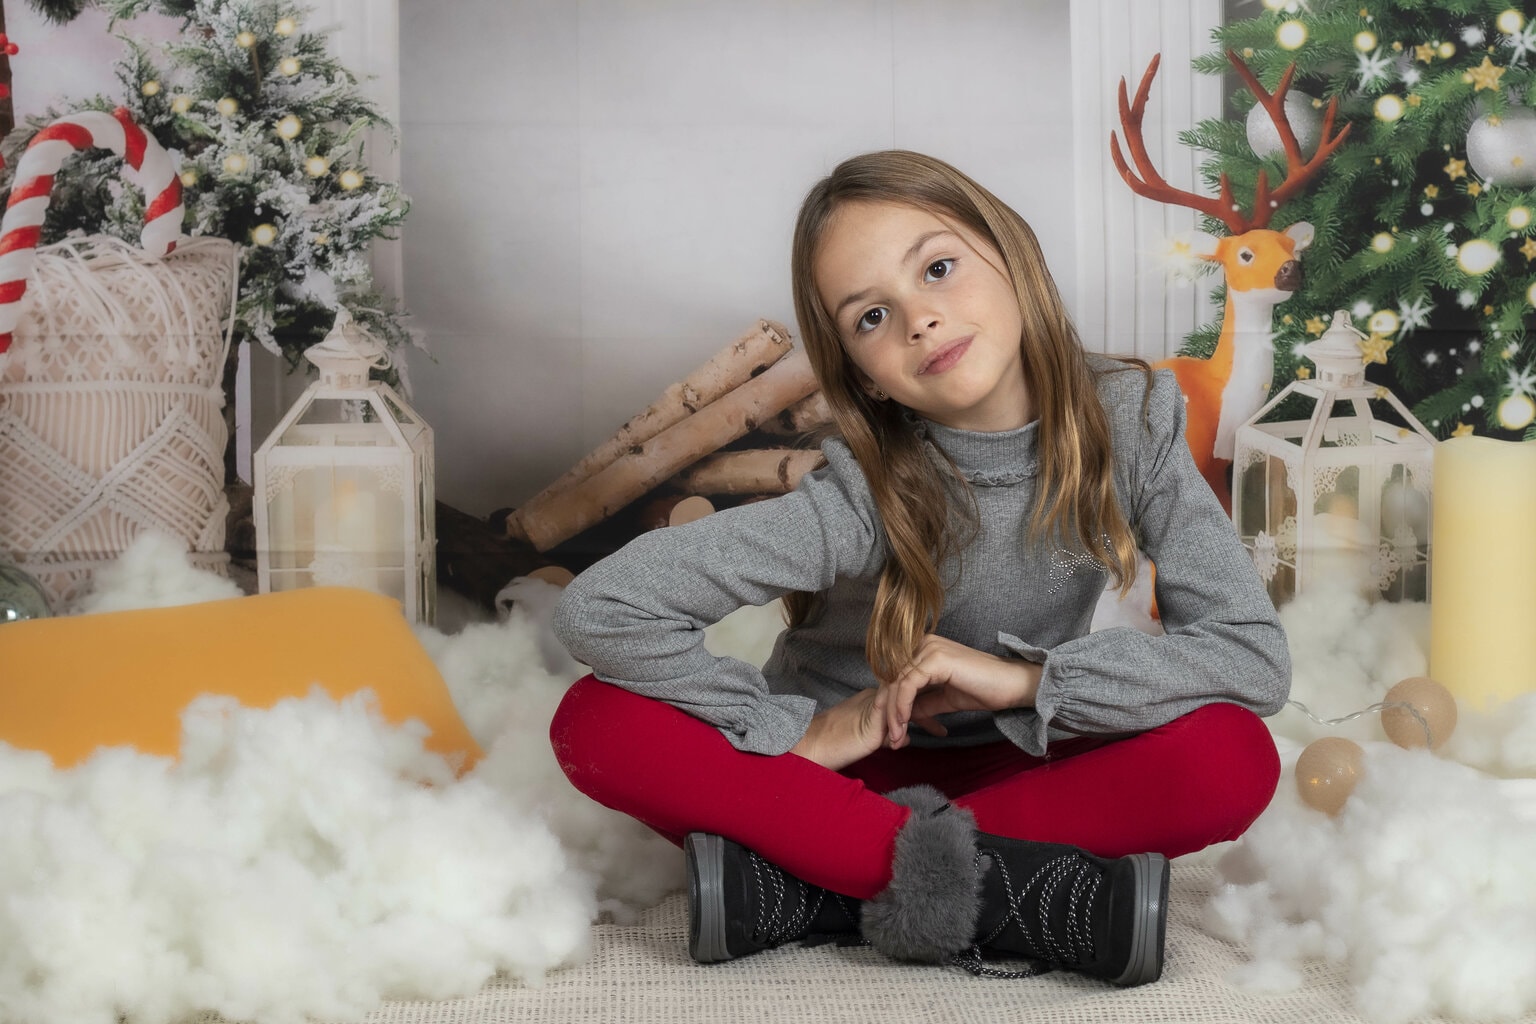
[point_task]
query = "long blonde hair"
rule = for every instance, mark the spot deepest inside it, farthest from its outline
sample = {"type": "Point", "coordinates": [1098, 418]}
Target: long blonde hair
{"type": "Point", "coordinates": [1075, 500]}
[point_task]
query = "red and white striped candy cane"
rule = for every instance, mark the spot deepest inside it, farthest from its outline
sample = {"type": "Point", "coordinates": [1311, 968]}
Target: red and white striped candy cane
{"type": "Point", "coordinates": [149, 167]}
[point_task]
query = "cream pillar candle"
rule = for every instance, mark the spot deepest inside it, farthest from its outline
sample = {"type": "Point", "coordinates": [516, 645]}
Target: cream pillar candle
{"type": "Point", "coordinates": [1482, 644]}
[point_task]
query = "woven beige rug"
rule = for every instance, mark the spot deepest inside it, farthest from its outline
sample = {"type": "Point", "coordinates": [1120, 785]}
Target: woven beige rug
{"type": "Point", "coordinates": [641, 974]}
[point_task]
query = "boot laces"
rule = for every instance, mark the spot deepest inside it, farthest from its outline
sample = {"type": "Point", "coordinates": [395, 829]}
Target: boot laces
{"type": "Point", "coordinates": [786, 907]}
{"type": "Point", "coordinates": [1052, 910]}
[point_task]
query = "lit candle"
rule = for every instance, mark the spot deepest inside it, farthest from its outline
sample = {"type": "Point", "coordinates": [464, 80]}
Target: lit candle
{"type": "Point", "coordinates": [346, 532]}
{"type": "Point", "coordinates": [1482, 637]}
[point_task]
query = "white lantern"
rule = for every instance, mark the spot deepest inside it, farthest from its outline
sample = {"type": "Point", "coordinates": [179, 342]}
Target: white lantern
{"type": "Point", "coordinates": [344, 491]}
{"type": "Point", "coordinates": [1337, 495]}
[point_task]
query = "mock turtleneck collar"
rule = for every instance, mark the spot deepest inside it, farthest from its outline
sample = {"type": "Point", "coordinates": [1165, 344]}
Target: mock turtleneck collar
{"type": "Point", "coordinates": [987, 459]}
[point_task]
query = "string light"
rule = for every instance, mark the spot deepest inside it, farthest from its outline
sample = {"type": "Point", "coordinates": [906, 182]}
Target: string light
{"type": "Point", "coordinates": [1389, 107]}
{"type": "Point", "coordinates": [1291, 35]}
{"type": "Point", "coordinates": [1477, 256]}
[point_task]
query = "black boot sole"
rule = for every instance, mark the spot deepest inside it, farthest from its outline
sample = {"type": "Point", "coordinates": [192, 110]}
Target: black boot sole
{"type": "Point", "coordinates": [705, 854]}
{"type": "Point", "coordinates": [1150, 920]}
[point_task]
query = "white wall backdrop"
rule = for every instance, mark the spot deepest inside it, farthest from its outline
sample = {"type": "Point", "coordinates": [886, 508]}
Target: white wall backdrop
{"type": "Point", "coordinates": [604, 189]}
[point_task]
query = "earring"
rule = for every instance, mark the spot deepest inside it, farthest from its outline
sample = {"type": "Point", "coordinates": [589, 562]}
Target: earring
{"type": "Point", "coordinates": [880, 396]}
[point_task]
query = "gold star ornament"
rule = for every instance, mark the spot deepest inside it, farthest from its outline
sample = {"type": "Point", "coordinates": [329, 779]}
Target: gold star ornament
{"type": "Point", "coordinates": [1374, 348]}
{"type": "Point", "coordinates": [1528, 250]}
{"type": "Point", "coordinates": [1462, 430]}
{"type": "Point", "coordinates": [1474, 189]}
{"type": "Point", "coordinates": [1424, 52]}
{"type": "Point", "coordinates": [1315, 325]}
{"type": "Point", "coordinates": [1456, 169]}
{"type": "Point", "coordinates": [1432, 191]}
{"type": "Point", "coordinates": [1303, 372]}
{"type": "Point", "coordinates": [1486, 75]}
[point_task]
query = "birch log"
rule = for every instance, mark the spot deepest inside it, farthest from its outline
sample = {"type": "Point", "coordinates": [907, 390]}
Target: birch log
{"type": "Point", "coordinates": [803, 417]}
{"type": "Point", "coordinates": [726, 370]}
{"type": "Point", "coordinates": [761, 471]}
{"type": "Point", "coordinates": [552, 518]}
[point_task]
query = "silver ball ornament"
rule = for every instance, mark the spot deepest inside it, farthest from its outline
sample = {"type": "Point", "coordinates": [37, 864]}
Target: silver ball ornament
{"type": "Point", "coordinates": [21, 596]}
{"type": "Point", "coordinates": [1306, 121]}
{"type": "Point", "coordinates": [1504, 153]}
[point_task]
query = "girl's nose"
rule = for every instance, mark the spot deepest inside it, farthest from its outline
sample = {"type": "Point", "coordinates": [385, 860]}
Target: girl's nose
{"type": "Point", "coordinates": [924, 324]}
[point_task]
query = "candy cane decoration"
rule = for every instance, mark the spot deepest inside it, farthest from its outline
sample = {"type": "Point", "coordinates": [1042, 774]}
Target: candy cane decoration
{"type": "Point", "coordinates": [149, 167]}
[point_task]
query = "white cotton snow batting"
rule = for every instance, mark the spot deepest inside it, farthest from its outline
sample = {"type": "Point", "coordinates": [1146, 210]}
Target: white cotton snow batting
{"type": "Point", "coordinates": [507, 695]}
{"type": "Point", "coordinates": [1421, 888]}
{"type": "Point", "coordinates": [154, 572]}
{"type": "Point", "coordinates": [307, 861]}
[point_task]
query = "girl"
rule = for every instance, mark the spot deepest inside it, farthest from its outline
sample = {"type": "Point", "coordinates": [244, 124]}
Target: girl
{"type": "Point", "coordinates": [941, 569]}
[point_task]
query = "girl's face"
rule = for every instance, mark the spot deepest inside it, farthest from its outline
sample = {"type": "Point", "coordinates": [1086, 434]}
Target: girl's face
{"type": "Point", "coordinates": [926, 313]}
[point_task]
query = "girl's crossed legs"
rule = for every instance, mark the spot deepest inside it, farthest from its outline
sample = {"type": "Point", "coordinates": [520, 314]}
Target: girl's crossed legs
{"type": "Point", "coordinates": [1197, 780]}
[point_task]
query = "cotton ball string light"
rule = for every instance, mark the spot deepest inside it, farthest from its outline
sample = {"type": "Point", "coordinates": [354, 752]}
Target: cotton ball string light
{"type": "Point", "coordinates": [1291, 35]}
{"type": "Point", "coordinates": [317, 167]}
{"type": "Point", "coordinates": [150, 88]}
{"type": "Point", "coordinates": [1305, 120]}
{"type": "Point", "coordinates": [1421, 713]}
{"type": "Point", "coordinates": [285, 26]}
{"type": "Point", "coordinates": [1382, 243]}
{"type": "Point", "coordinates": [1477, 256]}
{"type": "Point", "coordinates": [1389, 108]}
{"type": "Point", "coordinates": [1328, 771]}
{"type": "Point", "coordinates": [181, 104]}
{"type": "Point", "coordinates": [289, 66]}
{"type": "Point", "coordinates": [245, 40]}
{"type": "Point", "coordinates": [290, 127]}
{"type": "Point", "coordinates": [264, 234]}
{"type": "Point", "coordinates": [1517, 411]}
{"type": "Point", "coordinates": [1518, 217]}
{"type": "Point", "coordinates": [227, 106]}
{"type": "Point", "coordinates": [350, 180]}
{"type": "Point", "coordinates": [236, 163]}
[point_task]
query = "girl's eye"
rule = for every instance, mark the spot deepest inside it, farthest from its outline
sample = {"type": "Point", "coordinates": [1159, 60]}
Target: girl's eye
{"type": "Point", "coordinates": [938, 269]}
{"type": "Point", "coordinates": [870, 320]}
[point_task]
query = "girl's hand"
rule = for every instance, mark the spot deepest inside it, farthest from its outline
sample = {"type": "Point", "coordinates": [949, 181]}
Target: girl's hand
{"type": "Point", "coordinates": [846, 732]}
{"type": "Point", "coordinates": [948, 676]}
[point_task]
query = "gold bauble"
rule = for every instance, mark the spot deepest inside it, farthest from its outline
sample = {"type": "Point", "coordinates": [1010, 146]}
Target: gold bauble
{"type": "Point", "coordinates": [1327, 772]}
{"type": "Point", "coordinates": [1433, 701]}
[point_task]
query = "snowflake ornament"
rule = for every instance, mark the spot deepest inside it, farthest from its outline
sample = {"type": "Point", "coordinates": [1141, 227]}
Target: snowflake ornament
{"type": "Point", "coordinates": [1414, 314]}
{"type": "Point", "coordinates": [1522, 43]}
{"type": "Point", "coordinates": [1373, 68]}
{"type": "Point", "coordinates": [1522, 382]}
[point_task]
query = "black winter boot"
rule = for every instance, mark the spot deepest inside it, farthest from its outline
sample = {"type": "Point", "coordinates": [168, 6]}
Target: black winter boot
{"type": "Point", "coordinates": [957, 895]}
{"type": "Point", "coordinates": [738, 903]}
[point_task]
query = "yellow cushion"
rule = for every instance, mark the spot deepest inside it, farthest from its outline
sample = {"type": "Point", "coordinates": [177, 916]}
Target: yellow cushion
{"type": "Point", "coordinates": [71, 685]}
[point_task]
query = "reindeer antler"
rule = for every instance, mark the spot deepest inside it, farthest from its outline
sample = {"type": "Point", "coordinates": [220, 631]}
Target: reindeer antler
{"type": "Point", "coordinates": [1297, 171]}
{"type": "Point", "coordinates": [1153, 186]}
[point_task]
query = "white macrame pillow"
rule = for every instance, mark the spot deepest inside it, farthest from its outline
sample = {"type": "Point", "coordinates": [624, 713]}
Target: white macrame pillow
{"type": "Point", "coordinates": [111, 418]}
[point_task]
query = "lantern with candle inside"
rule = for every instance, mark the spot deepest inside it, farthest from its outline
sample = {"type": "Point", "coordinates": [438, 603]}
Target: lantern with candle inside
{"type": "Point", "coordinates": [344, 491]}
{"type": "Point", "coordinates": [1325, 489]}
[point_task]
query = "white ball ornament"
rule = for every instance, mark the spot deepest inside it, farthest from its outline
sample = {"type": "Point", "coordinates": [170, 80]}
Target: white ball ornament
{"type": "Point", "coordinates": [1382, 242]}
{"type": "Point", "coordinates": [1384, 321]}
{"type": "Point", "coordinates": [264, 234]}
{"type": "Point", "coordinates": [1328, 771]}
{"type": "Point", "coordinates": [1530, 294]}
{"type": "Point", "coordinates": [1365, 42]}
{"type": "Point", "coordinates": [1390, 108]}
{"type": "Point", "coordinates": [1518, 217]}
{"type": "Point", "coordinates": [1502, 149]}
{"type": "Point", "coordinates": [1306, 121]}
{"type": "Point", "coordinates": [1510, 21]}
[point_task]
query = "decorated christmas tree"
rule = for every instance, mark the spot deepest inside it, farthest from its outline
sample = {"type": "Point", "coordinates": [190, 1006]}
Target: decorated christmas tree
{"type": "Point", "coordinates": [1425, 217]}
{"type": "Point", "coordinates": [269, 133]}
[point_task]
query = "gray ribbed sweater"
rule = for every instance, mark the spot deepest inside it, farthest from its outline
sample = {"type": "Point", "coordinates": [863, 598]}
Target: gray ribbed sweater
{"type": "Point", "coordinates": [637, 617]}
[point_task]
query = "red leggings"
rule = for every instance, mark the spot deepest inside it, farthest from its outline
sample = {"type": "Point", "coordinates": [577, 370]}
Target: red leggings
{"type": "Point", "coordinates": [1198, 780]}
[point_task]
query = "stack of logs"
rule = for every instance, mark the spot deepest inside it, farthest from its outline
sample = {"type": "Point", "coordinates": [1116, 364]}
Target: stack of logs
{"type": "Point", "coordinates": [759, 391]}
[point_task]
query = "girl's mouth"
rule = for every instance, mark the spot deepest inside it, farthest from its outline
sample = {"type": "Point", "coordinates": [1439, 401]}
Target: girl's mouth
{"type": "Point", "coordinates": [947, 355]}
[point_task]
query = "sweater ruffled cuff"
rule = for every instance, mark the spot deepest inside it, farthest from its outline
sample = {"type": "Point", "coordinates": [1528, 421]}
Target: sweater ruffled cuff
{"type": "Point", "coordinates": [1029, 728]}
{"type": "Point", "coordinates": [772, 725]}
